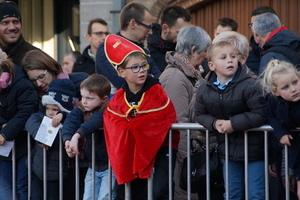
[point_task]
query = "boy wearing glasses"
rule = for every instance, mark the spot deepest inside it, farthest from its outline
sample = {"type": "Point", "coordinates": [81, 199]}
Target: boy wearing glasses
{"type": "Point", "coordinates": [97, 31]}
{"type": "Point", "coordinates": [136, 123]}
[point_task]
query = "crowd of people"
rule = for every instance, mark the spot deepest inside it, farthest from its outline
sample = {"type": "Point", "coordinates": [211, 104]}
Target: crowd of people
{"type": "Point", "coordinates": [124, 96]}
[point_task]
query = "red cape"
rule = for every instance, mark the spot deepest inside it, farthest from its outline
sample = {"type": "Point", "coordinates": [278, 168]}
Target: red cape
{"type": "Point", "coordinates": [132, 143]}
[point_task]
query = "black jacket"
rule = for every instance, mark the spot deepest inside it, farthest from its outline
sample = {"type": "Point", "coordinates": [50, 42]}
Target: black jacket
{"type": "Point", "coordinates": [18, 50]}
{"type": "Point", "coordinates": [158, 47]}
{"type": "Point", "coordinates": [85, 63]}
{"type": "Point", "coordinates": [52, 154]}
{"type": "Point", "coordinates": [18, 101]}
{"type": "Point", "coordinates": [242, 103]}
{"type": "Point", "coordinates": [253, 60]}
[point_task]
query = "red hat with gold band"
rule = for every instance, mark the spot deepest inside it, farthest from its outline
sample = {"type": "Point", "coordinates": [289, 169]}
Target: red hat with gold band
{"type": "Point", "coordinates": [117, 49]}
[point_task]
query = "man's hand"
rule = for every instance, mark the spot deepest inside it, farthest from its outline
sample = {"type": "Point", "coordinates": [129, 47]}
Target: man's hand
{"type": "Point", "coordinates": [286, 139]}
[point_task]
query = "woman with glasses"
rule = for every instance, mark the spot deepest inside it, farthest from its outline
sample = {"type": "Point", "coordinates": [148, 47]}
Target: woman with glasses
{"type": "Point", "coordinates": [42, 69]}
{"type": "Point", "coordinates": [178, 80]}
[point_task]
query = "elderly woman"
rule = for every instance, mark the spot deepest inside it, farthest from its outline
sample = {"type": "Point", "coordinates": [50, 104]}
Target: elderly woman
{"type": "Point", "coordinates": [178, 80]}
{"type": "Point", "coordinates": [41, 69]}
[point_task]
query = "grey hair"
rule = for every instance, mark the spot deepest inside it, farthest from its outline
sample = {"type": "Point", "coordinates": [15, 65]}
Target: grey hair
{"type": "Point", "coordinates": [265, 23]}
{"type": "Point", "coordinates": [192, 36]}
{"type": "Point", "coordinates": [238, 40]}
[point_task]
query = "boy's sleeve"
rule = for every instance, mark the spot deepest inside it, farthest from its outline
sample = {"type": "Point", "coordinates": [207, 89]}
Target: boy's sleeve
{"type": "Point", "coordinates": [255, 116]}
{"type": "Point", "coordinates": [71, 124]}
{"type": "Point", "coordinates": [201, 114]}
{"type": "Point", "coordinates": [92, 124]}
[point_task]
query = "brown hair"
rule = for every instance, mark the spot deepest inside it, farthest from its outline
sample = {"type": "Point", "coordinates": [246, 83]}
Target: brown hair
{"type": "Point", "coordinates": [131, 11]}
{"type": "Point", "coordinates": [37, 59]}
{"type": "Point", "coordinates": [96, 20]}
{"type": "Point", "coordinates": [133, 54]}
{"type": "Point", "coordinates": [97, 84]}
{"type": "Point", "coordinates": [8, 66]}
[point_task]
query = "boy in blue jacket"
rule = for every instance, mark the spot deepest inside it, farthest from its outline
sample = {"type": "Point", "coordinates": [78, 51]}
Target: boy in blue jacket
{"type": "Point", "coordinates": [81, 124]}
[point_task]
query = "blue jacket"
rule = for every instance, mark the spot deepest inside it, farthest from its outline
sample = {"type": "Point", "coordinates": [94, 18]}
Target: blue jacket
{"type": "Point", "coordinates": [86, 123]}
{"type": "Point", "coordinates": [284, 116]}
{"type": "Point", "coordinates": [32, 126]}
{"type": "Point", "coordinates": [281, 37]}
{"type": "Point", "coordinates": [18, 101]}
{"type": "Point", "coordinates": [158, 47]}
{"type": "Point", "coordinates": [104, 67]}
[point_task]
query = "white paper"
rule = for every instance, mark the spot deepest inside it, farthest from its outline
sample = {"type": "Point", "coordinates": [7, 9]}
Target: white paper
{"type": "Point", "coordinates": [47, 133]}
{"type": "Point", "coordinates": [6, 148]}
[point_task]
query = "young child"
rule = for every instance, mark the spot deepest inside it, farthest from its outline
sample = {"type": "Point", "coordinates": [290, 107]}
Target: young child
{"type": "Point", "coordinates": [18, 100]}
{"type": "Point", "coordinates": [58, 101]}
{"type": "Point", "coordinates": [282, 82]}
{"type": "Point", "coordinates": [230, 101]}
{"type": "Point", "coordinates": [82, 123]}
{"type": "Point", "coordinates": [137, 121]}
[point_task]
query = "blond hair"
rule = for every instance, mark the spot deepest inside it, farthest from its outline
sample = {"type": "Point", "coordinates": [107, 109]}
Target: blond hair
{"type": "Point", "coordinates": [273, 71]}
{"type": "Point", "coordinates": [211, 49]}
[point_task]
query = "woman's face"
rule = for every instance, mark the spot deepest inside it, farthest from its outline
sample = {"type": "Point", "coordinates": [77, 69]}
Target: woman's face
{"type": "Point", "coordinates": [40, 78]}
{"type": "Point", "coordinates": [197, 58]}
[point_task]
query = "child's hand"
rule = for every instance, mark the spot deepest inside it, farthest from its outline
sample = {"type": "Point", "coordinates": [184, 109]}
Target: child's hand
{"type": "Point", "coordinates": [68, 150]}
{"type": "Point", "coordinates": [44, 146]}
{"type": "Point", "coordinates": [2, 140]}
{"type": "Point", "coordinates": [223, 126]}
{"type": "Point", "coordinates": [74, 143]}
{"type": "Point", "coordinates": [56, 119]}
{"type": "Point", "coordinates": [286, 139]}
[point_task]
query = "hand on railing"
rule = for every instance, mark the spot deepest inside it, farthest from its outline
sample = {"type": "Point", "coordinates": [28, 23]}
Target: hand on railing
{"type": "Point", "coordinates": [68, 149]}
{"type": "Point", "coordinates": [286, 139]}
{"type": "Point", "coordinates": [223, 126]}
{"type": "Point", "coordinates": [44, 146]}
{"type": "Point", "coordinates": [293, 182]}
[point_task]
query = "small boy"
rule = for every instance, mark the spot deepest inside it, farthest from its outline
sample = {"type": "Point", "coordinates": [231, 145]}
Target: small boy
{"type": "Point", "coordinates": [137, 122]}
{"type": "Point", "coordinates": [229, 102]}
{"type": "Point", "coordinates": [82, 123]}
{"type": "Point", "coordinates": [58, 102]}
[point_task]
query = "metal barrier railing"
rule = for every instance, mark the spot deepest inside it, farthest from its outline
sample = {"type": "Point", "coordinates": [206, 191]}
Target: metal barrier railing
{"type": "Point", "coordinates": [178, 126]}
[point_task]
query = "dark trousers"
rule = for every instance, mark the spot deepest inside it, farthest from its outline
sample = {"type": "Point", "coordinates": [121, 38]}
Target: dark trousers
{"type": "Point", "coordinates": [160, 179]}
{"type": "Point", "coordinates": [37, 189]}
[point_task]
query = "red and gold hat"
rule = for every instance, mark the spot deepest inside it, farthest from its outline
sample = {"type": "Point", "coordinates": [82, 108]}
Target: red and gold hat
{"type": "Point", "coordinates": [117, 49]}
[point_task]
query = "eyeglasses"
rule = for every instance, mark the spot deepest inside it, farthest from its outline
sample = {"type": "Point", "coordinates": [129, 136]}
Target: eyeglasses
{"type": "Point", "coordinates": [40, 77]}
{"type": "Point", "coordinates": [137, 69]}
{"type": "Point", "coordinates": [100, 33]}
{"type": "Point", "coordinates": [145, 25]}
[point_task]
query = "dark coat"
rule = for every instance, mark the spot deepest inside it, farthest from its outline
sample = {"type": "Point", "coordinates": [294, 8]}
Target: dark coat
{"type": "Point", "coordinates": [284, 116]}
{"type": "Point", "coordinates": [104, 67]}
{"type": "Point", "coordinates": [85, 63]}
{"type": "Point", "coordinates": [253, 60]}
{"type": "Point", "coordinates": [75, 123]}
{"type": "Point", "coordinates": [32, 126]}
{"type": "Point", "coordinates": [18, 101]}
{"type": "Point", "coordinates": [281, 37]}
{"type": "Point", "coordinates": [158, 47]}
{"type": "Point", "coordinates": [242, 103]}
{"type": "Point", "coordinates": [18, 50]}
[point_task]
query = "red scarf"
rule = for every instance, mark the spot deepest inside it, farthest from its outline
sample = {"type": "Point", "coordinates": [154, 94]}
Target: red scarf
{"type": "Point", "coordinates": [132, 143]}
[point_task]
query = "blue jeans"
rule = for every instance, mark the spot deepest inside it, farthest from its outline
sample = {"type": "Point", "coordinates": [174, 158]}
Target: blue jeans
{"type": "Point", "coordinates": [21, 178]}
{"type": "Point", "coordinates": [101, 185]}
{"type": "Point", "coordinates": [256, 178]}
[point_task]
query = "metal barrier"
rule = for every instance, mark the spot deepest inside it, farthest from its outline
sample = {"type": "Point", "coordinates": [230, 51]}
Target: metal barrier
{"type": "Point", "coordinates": [178, 126]}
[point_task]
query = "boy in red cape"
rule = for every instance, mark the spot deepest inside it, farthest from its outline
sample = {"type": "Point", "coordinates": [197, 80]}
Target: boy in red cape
{"type": "Point", "coordinates": [136, 123]}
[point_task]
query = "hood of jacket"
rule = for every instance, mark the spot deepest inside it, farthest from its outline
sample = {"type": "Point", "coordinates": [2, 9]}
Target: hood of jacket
{"type": "Point", "coordinates": [157, 42]}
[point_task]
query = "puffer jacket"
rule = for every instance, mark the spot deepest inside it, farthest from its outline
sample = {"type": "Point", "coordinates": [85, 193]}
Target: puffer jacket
{"type": "Point", "coordinates": [242, 103]}
{"type": "Point", "coordinates": [18, 101]}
